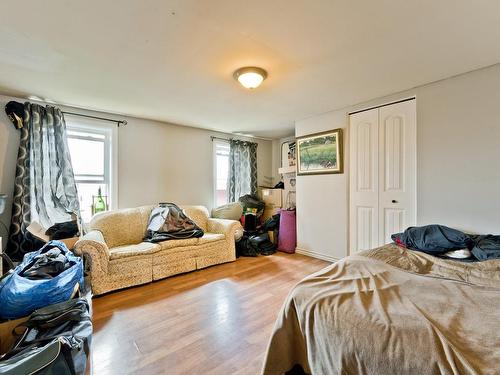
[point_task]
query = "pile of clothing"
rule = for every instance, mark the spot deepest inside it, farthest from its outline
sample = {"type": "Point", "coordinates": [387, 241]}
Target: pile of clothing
{"type": "Point", "coordinates": [169, 222]}
{"type": "Point", "coordinates": [259, 238]}
{"type": "Point", "coordinates": [256, 240]}
{"type": "Point", "coordinates": [445, 242]}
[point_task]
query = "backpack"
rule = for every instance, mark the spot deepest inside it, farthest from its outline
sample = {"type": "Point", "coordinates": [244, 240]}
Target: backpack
{"type": "Point", "coordinates": [56, 341]}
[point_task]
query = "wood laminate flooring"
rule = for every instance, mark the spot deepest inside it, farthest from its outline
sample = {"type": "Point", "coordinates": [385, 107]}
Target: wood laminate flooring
{"type": "Point", "coordinates": [212, 321]}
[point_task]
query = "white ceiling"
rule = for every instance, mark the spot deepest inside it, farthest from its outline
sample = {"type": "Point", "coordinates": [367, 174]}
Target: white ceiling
{"type": "Point", "coordinates": [173, 60]}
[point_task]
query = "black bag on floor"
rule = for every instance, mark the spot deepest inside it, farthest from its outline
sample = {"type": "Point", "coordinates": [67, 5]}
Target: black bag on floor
{"type": "Point", "coordinates": [41, 359]}
{"type": "Point", "coordinates": [262, 244]}
{"type": "Point", "coordinates": [244, 248]}
{"type": "Point", "coordinates": [56, 341]}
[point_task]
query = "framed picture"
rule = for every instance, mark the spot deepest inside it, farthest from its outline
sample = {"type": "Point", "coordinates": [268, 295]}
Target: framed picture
{"type": "Point", "coordinates": [320, 153]}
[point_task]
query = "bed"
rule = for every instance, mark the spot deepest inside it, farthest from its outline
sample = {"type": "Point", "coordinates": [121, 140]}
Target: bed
{"type": "Point", "coordinates": [391, 311]}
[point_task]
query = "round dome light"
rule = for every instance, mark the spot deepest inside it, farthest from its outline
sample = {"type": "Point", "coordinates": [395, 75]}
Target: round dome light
{"type": "Point", "coordinates": [250, 76]}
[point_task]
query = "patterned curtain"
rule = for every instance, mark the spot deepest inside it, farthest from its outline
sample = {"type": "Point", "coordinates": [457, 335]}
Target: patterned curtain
{"type": "Point", "coordinates": [242, 169]}
{"type": "Point", "coordinates": [19, 243]}
{"type": "Point", "coordinates": [45, 189]}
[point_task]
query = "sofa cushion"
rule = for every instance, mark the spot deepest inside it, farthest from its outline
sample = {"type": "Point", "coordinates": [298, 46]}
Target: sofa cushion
{"type": "Point", "coordinates": [211, 237]}
{"type": "Point", "coordinates": [207, 237]}
{"type": "Point", "coordinates": [170, 244]}
{"type": "Point", "coordinates": [191, 246]}
{"type": "Point", "coordinates": [122, 227]}
{"type": "Point", "coordinates": [142, 248]}
{"type": "Point", "coordinates": [198, 214]}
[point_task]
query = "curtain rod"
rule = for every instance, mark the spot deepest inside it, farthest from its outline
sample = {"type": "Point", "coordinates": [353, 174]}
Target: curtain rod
{"type": "Point", "coordinates": [222, 139]}
{"type": "Point", "coordinates": [118, 122]}
{"type": "Point", "coordinates": [229, 139]}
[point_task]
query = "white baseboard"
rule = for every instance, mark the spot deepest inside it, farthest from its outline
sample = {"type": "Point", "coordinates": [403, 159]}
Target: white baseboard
{"type": "Point", "coordinates": [313, 254]}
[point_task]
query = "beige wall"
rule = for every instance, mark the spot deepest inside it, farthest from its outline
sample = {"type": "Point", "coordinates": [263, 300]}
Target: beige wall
{"type": "Point", "coordinates": [159, 162]}
{"type": "Point", "coordinates": [458, 163]}
{"type": "Point", "coordinates": [156, 161]}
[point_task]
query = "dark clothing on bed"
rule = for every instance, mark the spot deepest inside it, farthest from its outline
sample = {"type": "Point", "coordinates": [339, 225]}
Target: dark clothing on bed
{"type": "Point", "coordinates": [486, 247]}
{"type": "Point", "coordinates": [437, 240]}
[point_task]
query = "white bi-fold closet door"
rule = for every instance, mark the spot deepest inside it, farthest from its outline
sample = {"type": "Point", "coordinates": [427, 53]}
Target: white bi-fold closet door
{"type": "Point", "coordinates": [383, 170]}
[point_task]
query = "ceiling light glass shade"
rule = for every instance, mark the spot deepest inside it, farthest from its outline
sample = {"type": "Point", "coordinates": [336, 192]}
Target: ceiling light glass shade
{"type": "Point", "coordinates": [250, 77]}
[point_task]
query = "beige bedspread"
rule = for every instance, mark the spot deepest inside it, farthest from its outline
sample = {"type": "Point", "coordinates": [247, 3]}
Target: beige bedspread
{"type": "Point", "coordinates": [391, 311]}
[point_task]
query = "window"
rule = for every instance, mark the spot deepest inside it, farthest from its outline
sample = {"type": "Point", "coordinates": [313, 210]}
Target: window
{"type": "Point", "coordinates": [221, 171]}
{"type": "Point", "coordinates": [91, 152]}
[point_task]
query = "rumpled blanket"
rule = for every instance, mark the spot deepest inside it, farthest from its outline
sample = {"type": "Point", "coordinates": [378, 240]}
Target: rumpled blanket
{"type": "Point", "coordinates": [391, 311]}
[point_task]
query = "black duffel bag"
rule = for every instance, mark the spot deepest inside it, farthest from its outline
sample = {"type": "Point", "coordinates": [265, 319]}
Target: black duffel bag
{"type": "Point", "coordinates": [262, 244]}
{"type": "Point", "coordinates": [56, 341]}
{"type": "Point", "coordinates": [245, 248]}
{"type": "Point", "coordinates": [252, 246]}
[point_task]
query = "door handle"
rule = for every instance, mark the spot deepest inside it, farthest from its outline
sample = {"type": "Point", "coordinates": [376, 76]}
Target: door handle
{"type": "Point", "coordinates": [394, 201]}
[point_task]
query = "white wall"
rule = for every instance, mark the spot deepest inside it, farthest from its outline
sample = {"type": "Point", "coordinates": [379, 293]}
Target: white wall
{"type": "Point", "coordinates": [156, 161]}
{"type": "Point", "coordinates": [458, 163]}
{"type": "Point", "coordinates": [322, 199]}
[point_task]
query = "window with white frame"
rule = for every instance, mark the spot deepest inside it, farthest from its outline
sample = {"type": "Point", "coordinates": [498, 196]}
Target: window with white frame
{"type": "Point", "coordinates": [221, 171]}
{"type": "Point", "coordinates": [91, 149]}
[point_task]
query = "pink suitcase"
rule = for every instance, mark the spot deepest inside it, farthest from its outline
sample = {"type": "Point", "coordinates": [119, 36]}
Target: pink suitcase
{"type": "Point", "coordinates": [287, 238]}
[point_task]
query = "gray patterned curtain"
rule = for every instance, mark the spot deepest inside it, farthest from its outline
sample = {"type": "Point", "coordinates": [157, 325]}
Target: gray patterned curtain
{"type": "Point", "coordinates": [45, 189]}
{"type": "Point", "coordinates": [19, 243]}
{"type": "Point", "coordinates": [242, 169]}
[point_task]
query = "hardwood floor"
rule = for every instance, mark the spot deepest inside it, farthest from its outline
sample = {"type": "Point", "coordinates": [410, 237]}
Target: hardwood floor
{"type": "Point", "coordinates": [212, 321]}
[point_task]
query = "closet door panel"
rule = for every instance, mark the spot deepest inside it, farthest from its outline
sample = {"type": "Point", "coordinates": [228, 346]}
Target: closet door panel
{"type": "Point", "coordinates": [397, 169]}
{"type": "Point", "coordinates": [393, 222]}
{"type": "Point", "coordinates": [364, 180]}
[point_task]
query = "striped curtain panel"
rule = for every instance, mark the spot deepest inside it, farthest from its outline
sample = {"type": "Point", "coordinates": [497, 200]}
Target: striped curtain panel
{"type": "Point", "coordinates": [44, 186]}
{"type": "Point", "coordinates": [242, 169]}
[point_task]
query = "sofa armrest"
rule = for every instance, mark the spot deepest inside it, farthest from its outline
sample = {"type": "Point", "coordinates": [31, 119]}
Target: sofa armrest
{"type": "Point", "coordinates": [224, 226]}
{"type": "Point", "coordinates": [93, 244]}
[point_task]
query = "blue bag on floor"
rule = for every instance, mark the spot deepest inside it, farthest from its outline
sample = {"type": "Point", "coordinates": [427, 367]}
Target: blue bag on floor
{"type": "Point", "coordinates": [44, 277]}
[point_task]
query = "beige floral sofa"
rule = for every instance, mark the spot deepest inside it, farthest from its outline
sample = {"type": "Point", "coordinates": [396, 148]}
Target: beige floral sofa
{"type": "Point", "coordinates": [119, 258]}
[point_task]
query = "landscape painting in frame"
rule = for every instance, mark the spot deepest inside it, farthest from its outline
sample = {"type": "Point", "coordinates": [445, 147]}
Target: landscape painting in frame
{"type": "Point", "coordinates": [320, 153]}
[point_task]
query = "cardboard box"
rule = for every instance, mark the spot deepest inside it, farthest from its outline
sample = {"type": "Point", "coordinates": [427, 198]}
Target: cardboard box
{"type": "Point", "coordinates": [39, 232]}
{"type": "Point", "coordinates": [272, 197]}
{"type": "Point", "coordinates": [269, 212]}
{"type": "Point", "coordinates": [7, 339]}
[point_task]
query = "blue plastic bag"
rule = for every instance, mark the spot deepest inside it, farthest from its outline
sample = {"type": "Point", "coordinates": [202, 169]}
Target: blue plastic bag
{"type": "Point", "coordinates": [20, 296]}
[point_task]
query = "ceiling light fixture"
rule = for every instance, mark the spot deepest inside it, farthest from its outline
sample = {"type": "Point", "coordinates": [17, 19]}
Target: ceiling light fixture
{"type": "Point", "coordinates": [250, 76]}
